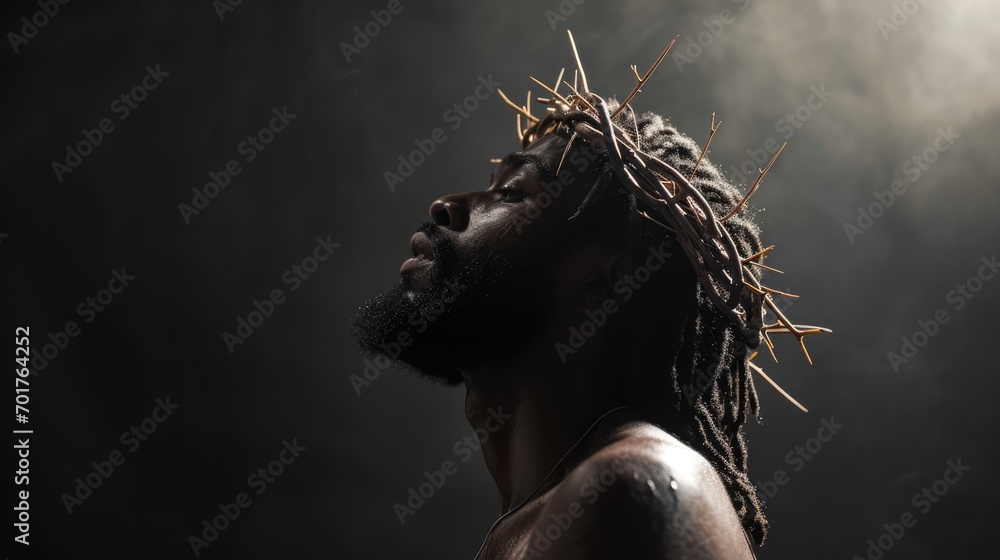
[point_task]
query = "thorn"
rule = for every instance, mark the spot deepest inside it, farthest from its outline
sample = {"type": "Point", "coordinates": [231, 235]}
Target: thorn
{"type": "Point", "coordinates": [802, 343]}
{"type": "Point", "coordinates": [642, 80]}
{"type": "Point", "coordinates": [753, 189]}
{"type": "Point", "coordinates": [566, 151]}
{"type": "Point", "coordinates": [713, 128]}
{"type": "Point", "coordinates": [580, 97]}
{"type": "Point", "coordinates": [657, 222]}
{"type": "Point", "coordinates": [558, 80]}
{"type": "Point", "coordinates": [777, 387]}
{"type": "Point", "coordinates": [777, 292]}
{"type": "Point", "coordinates": [579, 65]}
{"type": "Point", "coordinates": [515, 107]}
{"type": "Point", "coordinates": [770, 346]}
{"type": "Point", "coordinates": [550, 90]}
{"type": "Point", "coordinates": [784, 325]}
{"type": "Point", "coordinates": [760, 253]}
{"type": "Point", "coordinates": [764, 266]}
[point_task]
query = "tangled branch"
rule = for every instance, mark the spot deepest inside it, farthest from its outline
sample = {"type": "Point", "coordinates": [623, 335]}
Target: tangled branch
{"type": "Point", "coordinates": [679, 207]}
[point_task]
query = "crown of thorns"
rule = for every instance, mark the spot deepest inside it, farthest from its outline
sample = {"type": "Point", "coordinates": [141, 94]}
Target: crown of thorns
{"type": "Point", "coordinates": [681, 209]}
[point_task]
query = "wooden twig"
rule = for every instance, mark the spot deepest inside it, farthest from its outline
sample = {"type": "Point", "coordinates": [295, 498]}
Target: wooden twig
{"type": "Point", "coordinates": [760, 253]}
{"type": "Point", "coordinates": [713, 128]}
{"type": "Point", "coordinates": [642, 80]}
{"type": "Point", "coordinates": [764, 266]}
{"type": "Point", "coordinates": [753, 189]}
{"type": "Point", "coordinates": [579, 65]}
{"type": "Point", "coordinates": [558, 80]}
{"type": "Point", "coordinates": [515, 106]}
{"type": "Point", "coordinates": [777, 387]}
{"type": "Point", "coordinates": [551, 90]}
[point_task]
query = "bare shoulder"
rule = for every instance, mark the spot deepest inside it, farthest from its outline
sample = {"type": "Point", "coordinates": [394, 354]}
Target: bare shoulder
{"type": "Point", "coordinates": [644, 494]}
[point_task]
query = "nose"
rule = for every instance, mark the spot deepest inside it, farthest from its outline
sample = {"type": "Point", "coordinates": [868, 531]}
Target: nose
{"type": "Point", "coordinates": [450, 212]}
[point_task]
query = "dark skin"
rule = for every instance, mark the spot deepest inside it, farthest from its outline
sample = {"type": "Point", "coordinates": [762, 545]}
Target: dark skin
{"type": "Point", "coordinates": [626, 489]}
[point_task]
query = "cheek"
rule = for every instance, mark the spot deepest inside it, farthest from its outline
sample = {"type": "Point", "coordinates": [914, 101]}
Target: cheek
{"type": "Point", "coordinates": [531, 235]}
{"type": "Point", "coordinates": [499, 228]}
{"type": "Point", "coordinates": [539, 219]}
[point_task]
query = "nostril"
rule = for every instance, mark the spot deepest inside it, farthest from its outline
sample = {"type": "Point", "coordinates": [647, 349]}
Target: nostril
{"type": "Point", "coordinates": [442, 217]}
{"type": "Point", "coordinates": [449, 212]}
{"type": "Point", "coordinates": [439, 213]}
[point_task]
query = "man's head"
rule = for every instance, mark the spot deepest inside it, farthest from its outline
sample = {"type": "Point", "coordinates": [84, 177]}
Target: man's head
{"type": "Point", "coordinates": [518, 272]}
{"type": "Point", "coordinates": [607, 254]}
{"type": "Point", "coordinates": [497, 268]}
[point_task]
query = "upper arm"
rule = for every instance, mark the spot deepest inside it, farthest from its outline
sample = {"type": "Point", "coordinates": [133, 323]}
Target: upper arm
{"type": "Point", "coordinates": [640, 501]}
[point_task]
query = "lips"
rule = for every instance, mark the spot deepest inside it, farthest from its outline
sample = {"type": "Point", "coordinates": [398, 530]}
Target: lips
{"type": "Point", "coordinates": [422, 248]}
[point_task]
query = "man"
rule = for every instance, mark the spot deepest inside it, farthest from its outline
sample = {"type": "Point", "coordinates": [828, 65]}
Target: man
{"type": "Point", "coordinates": [609, 318]}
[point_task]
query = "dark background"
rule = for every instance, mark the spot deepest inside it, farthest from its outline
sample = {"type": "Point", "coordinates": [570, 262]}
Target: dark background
{"type": "Point", "coordinates": [323, 176]}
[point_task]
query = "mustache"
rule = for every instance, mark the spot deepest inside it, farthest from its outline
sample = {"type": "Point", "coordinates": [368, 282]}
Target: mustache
{"type": "Point", "coordinates": [442, 245]}
{"type": "Point", "coordinates": [431, 229]}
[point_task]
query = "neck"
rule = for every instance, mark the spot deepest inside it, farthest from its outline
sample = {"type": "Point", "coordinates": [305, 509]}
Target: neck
{"type": "Point", "coordinates": [528, 420]}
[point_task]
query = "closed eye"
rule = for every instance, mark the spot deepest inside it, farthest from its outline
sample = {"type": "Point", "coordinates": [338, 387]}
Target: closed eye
{"type": "Point", "coordinates": [510, 194]}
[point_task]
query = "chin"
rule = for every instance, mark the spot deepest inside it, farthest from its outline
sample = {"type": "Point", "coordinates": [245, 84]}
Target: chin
{"type": "Point", "coordinates": [447, 309]}
{"type": "Point", "coordinates": [410, 327]}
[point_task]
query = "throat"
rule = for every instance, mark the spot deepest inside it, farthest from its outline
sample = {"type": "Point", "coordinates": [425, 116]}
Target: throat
{"type": "Point", "coordinates": [530, 438]}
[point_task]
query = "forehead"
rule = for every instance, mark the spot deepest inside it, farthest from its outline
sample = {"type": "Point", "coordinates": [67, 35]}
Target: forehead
{"type": "Point", "coordinates": [544, 155]}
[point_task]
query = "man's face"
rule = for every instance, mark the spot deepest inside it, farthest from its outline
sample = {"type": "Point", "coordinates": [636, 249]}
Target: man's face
{"type": "Point", "coordinates": [486, 273]}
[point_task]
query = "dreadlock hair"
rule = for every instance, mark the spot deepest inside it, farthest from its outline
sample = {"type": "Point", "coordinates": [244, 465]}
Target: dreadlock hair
{"type": "Point", "coordinates": [711, 384]}
{"type": "Point", "coordinates": [708, 387]}
{"type": "Point", "coordinates": [660, 172]}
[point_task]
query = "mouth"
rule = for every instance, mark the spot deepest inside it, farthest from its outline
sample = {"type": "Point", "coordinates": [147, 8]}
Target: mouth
{"type": "Point", "coordinates": [422, 248]}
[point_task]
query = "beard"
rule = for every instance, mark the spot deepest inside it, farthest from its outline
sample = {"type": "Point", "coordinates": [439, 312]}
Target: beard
{"type": "Point", "coordinates": [441, 322]}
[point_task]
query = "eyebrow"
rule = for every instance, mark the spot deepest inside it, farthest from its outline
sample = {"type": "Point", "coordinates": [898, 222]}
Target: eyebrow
{"type": "Point", "coordinates": [525, 158]}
